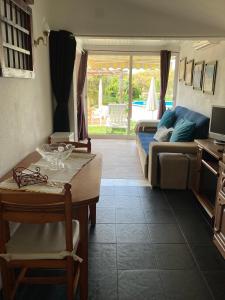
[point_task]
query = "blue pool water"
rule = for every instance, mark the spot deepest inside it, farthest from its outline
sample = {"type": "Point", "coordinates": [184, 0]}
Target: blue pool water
{"type": "Point", "coordinates": [141, 103]}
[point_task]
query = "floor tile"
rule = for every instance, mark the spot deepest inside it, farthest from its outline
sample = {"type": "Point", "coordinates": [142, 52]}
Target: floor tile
{"type": "Point", "coordinates": [148, 192]}
{"type": "Point", "coordinates": [181, 199]}
{"type": "Point", "coordinates": [102, 233]}
{"type": "Point", "coordinates": [107, 182]}
{"type": "Point", "coordinates": [102, 256]}
{"type": "Point", "coordinates": [140, 285]}
{"type": "Point", "coordinates": [184, 285]}
{"type": "Point", "coordinates": [103, 285]}
{"type": "Point", "coordinates": [131, 215]}
{"type": "Point", "coordinates": [194, 227]}
{"type": "Point", "coordinates": [105, 215]}
{"type": "Point", "coordinates": [46, 292]}
{"type": "Point", "coordinates": [185, 216]}
{"type": "Point", "coordinates": [106, 201]}
{"type": "Point", "coordinates": [197, 233]}
{"type": "Point", "coordinates": [216, 282]}
{"type": "Point", "coordinates": [138, 182]}
{"type": "Point", "coordinates": [154, 203]}
{"type": "Point", "coordinates": [126, 191]}
{"type": "Point", "coordinates": [135, 256]}
{"type": "Point", "coordinates": [208, 258]}
{"type": "Point", "coordinates": [106, 190]}
{"type": "Point", "coordinates": [132, 233]}
{"type": "Point", "coordinates": [165, 233]}
{"type": "Point", "coordinates": [128, 201]}
{"type": "Point", "coordinates": [159, 216]}
{"type": "Point", "coordinates": [173, 257]}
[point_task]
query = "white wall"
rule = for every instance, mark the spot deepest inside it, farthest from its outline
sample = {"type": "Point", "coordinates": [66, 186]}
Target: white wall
{"type": "Point", "coordinates": [26, 105]}
{"type": "Point", "coordinates": [139, 18]}
{"type": "Point", "coordinates": [197, 100]}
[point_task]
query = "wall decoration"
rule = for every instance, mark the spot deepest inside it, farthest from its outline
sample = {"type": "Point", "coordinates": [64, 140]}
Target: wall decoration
{"type": "Point", "coordinates": [198, 75]}
{"type": "Point", "coordinates": [16, 39]}
{"type": "Point", "coordinates": [182, 69]}
{"type": "Point", "coordinates": [189, 72]}
{"type": "Point", "coordinates": [209, 80]}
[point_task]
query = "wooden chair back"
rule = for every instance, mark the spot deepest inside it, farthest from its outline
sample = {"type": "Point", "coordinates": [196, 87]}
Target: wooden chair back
{"type": "Point", "coordinates": [78, 145]}
{"type": "Point", "coordinates": [36, 208]}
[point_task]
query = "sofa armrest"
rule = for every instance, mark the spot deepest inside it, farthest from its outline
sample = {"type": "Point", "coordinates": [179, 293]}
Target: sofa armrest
{"type": "Point", "coordinates": [146, 125]}
{"type": "Point", "coordinates": [166, 147]}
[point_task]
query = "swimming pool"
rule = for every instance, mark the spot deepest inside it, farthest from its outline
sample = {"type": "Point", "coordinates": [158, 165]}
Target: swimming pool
{"type": "Point", "coordinates": [141, 103]}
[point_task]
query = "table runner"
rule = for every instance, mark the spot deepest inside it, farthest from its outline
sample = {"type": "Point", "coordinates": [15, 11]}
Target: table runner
{"type": "Point", "coordinates": [56, 178]}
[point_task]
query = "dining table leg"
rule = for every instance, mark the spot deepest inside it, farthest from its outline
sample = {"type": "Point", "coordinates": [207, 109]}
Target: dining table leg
{"type": "Point", "coordinates": [82, 216]}
{"type": "Point", "coordinates": [92, 208]}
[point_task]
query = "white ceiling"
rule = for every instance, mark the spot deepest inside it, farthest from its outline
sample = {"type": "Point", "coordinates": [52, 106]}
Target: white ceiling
{"type": "Point", "coordinates": [139, 18]}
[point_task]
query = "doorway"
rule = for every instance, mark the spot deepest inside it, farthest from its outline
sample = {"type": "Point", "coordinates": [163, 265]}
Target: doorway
{"type": "Point", "coordinates": [123, 89]}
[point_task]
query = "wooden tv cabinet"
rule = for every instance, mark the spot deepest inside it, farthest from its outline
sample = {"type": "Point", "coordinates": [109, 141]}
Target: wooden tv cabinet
{"type": "Point", "coordinates": [219, 224]}
{"type": "Point", "coordinates": [208, 170]}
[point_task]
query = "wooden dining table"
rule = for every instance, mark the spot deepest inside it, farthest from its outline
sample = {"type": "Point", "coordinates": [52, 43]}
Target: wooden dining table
{"type": "Point", "coordinates": [85, 189]}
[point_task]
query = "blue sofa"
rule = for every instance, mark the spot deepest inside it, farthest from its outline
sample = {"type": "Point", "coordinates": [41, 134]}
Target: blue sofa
{"type": "Point", "coordinates": [149, 149]}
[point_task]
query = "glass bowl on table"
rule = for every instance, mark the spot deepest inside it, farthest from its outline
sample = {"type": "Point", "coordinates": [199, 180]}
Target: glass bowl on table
{"type": "Point", "coordinates": [55, 154]}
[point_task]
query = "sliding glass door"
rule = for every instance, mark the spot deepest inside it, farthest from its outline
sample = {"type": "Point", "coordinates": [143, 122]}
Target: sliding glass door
{"type": "Point", "coordinates": [146, 88]}
{"type": "Point", "coordinates": [123, 89]}
{"type": "Point", "coordinates": [108, 94]}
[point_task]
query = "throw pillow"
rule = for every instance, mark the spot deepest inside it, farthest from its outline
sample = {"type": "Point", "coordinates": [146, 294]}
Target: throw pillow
{"type": "Point", "coordinates": [163, 134]}
{"type": "Point", "coordinates": [167, 119]}
{"type": "Point", "coordinates": [183, 131]}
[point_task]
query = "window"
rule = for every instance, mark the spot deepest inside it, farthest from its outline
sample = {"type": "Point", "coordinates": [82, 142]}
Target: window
{"type": "Point", "coordinates": [16, 55]}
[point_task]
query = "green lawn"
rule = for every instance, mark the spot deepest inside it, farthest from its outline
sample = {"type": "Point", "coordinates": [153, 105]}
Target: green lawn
{"type": "Point", "coordinates": [101, 130]}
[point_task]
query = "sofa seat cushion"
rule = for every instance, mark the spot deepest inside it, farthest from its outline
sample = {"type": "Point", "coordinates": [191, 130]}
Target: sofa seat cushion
{"type": "Point", "coordinates": [145, 139]}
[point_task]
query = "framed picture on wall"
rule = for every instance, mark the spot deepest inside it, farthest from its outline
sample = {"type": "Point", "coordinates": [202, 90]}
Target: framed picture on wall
{"type": "Point", "coordinates": [198, 75]}
{"type": "Point", "coordinates": [209, 79]}
{"type": "Point", "coordinates": [182, 69]}
{"type": "Point", "coordinates": [189, 72]}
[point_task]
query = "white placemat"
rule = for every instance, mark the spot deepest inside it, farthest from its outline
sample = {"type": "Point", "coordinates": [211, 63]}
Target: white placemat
{"type": "Point", "coordinates": [56, 178]}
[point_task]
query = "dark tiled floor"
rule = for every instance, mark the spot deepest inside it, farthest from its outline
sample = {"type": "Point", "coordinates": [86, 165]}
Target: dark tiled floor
{"type": "Point", "coordinates": [149, 244]}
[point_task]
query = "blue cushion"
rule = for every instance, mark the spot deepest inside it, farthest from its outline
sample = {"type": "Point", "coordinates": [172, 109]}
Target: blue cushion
{"type": "Point", "coordinates": [183, 132]}
{"type": "Point", "coordinates": [167, 119]}
{"type": "Point", "coordinates": [201, 121]}
{"type": "Point", "coordinates": [146, 138]}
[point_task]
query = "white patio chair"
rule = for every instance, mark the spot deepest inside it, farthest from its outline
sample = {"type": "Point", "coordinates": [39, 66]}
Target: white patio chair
{"type": "Point", "coordinates": [117, 117]}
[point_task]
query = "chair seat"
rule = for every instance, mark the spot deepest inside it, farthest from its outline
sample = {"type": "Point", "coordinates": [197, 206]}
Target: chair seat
{"type": "Point", "coordinates": [41, 241]}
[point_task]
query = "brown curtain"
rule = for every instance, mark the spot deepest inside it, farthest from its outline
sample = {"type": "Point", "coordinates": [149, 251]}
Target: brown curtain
{"type": "Point", "coordinates": [82, 130]}
{"type": "Point", "coordinates": [164, 75]}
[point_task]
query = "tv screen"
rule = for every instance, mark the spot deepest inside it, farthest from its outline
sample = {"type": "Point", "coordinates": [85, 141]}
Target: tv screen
{"type": "Point", "coordinates": [217, 124]}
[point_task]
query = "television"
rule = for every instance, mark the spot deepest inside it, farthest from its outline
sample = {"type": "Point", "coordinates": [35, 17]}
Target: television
{"type": "Point", "coordinates": [217, 124]}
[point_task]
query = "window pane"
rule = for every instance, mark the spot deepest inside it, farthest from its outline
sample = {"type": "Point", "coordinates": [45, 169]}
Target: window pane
{"type": "Point", "coordinates": [108, 89]}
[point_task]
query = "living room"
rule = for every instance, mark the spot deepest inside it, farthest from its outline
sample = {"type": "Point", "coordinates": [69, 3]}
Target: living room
{"type": "Point", "coordinates": [150, 241]}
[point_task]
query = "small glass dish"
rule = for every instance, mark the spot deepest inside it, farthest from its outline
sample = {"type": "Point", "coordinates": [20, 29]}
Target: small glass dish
{"type": "Point", "coordinates": [55, 154]}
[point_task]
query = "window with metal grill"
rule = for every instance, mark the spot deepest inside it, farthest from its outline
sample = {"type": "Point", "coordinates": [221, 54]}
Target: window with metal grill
{"type": "Point", "coordinates": [16, 49]}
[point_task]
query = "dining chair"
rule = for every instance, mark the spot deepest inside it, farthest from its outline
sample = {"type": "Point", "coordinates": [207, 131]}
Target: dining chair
{"type": "Point", "coordinates": [79, 146]}
{"type": "Point", "coordinates": [47, 238]}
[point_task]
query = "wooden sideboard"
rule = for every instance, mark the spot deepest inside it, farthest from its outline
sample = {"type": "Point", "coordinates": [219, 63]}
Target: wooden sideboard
{"type": "Point", "coordinates": [209, 188]}
{"type": "Point", "coordinates": [209, 156]}
{"type": "Point", "coordinates": [219, 224]}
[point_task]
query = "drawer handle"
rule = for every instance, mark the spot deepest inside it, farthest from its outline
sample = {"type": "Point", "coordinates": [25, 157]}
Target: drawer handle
{"type": "Point", "coordinates": [223, 181]}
